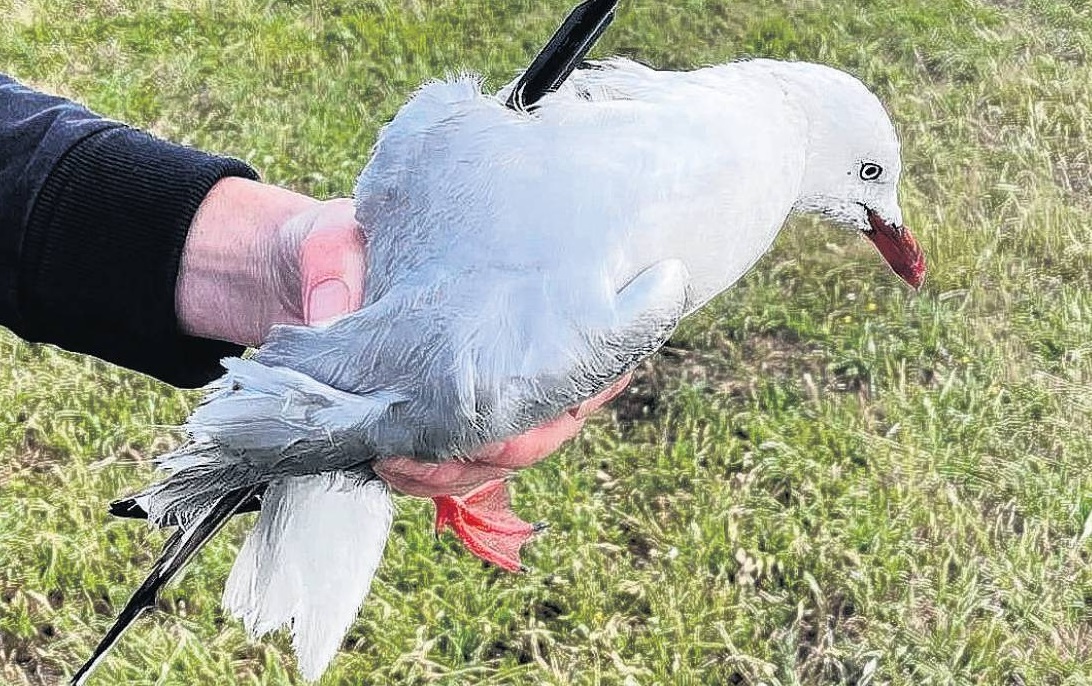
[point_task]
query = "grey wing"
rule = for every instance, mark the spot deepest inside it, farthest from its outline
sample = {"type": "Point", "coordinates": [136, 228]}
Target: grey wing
{"type": "Point", "coordinates": [645, 313]}
{"type": "Point", "coordinates": [412, 388]}
{"type": "Point", "coordinates": [446, 393]}
{"type": "Point", "coordinates": [259, 423]}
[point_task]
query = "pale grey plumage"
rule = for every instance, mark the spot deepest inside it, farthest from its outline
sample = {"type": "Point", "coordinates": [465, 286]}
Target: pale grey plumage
{"type": "Point", "coordinates": [518, 264]}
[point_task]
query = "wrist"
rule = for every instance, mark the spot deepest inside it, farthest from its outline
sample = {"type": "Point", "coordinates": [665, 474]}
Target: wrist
{"type": "Point", "coordinates": [225, 288]}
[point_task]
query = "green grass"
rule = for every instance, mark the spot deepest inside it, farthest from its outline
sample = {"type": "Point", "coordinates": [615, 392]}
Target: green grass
{"type": "Point", "coordinates": [826, 479]}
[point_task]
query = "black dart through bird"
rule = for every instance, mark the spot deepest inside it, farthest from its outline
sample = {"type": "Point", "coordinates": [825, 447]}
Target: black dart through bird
{"type": "Point", "coordinates": [569, 45]}
{"type": "Point", "coordinates": [521, 260]}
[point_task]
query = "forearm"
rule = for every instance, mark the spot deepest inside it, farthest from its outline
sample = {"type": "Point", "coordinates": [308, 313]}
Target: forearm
{"type": "Point", "coordinates": [93, 220]}
{"type": "Point", "coordinates": [226, 290]}
{"type": "Point", "coordinates": [36, 131]}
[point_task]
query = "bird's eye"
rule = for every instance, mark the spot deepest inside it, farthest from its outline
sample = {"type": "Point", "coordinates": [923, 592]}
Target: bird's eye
{"type": "Point", "coordinates": [870, 171]}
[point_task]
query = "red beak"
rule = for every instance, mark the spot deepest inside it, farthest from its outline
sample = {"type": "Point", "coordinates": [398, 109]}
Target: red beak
{"type": "Point", "coordinates": [899, 248]}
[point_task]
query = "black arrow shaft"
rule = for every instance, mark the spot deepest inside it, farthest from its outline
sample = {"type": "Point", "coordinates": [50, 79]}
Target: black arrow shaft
{"type": "Point", "coordinates": [568, 46]}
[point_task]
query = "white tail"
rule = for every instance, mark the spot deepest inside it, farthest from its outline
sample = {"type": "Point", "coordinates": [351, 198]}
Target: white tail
{"type": "Point", "coordinates": [310, 561]}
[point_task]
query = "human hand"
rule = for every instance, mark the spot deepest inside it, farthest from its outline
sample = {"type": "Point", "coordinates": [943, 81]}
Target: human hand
{"type": "Point", "coordinates": [322, 256]}
{"type": "Point", "coordinates": [494, 461]}
{"type": "Point", "coordinates": [319, 258]}
{"type": "Point", "coordinates": [259, 255]}
{"type": "Point", "coordinates": [322, 259]}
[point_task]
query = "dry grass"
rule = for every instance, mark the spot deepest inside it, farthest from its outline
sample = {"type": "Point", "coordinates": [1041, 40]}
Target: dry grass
{"type": "Point", "coordinates": [826, 480]}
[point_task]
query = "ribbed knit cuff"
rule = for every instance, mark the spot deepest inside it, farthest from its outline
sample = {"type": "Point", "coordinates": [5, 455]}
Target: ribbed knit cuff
{"type": "Point", "coordinates": [102, 252]}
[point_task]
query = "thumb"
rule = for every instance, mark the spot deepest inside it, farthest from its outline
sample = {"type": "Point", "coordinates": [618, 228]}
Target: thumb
{"type": "Point", "coordinates": [331, 270]}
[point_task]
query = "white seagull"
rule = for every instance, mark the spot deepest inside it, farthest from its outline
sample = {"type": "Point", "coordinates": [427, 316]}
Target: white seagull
{"type": "Point", "coordinates": [521, 260]}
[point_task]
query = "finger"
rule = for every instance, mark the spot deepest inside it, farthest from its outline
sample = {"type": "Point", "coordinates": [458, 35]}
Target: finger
{"type": "Point", "coordinates": [532, 446]}
{"type": "Point", "coordinates": [589, 406]}
{"type": "Point", "coordinates": [428, 480]}
{"type": "Point", "coordinates": [332, 269]}
{"type": "Point", "coordinates": [541, 442]}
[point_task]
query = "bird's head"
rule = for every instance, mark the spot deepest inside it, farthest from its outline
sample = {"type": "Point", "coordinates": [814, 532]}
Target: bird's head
{"type": "Point", "coordinates": [853, 161]}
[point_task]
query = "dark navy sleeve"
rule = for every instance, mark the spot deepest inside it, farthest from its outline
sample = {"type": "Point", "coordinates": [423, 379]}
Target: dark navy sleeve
{"type": "Point", "coordinates": [93, 220]}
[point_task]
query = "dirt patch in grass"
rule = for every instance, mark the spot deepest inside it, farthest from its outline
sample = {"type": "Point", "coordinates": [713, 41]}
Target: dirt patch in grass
{"type": "Point", "coordinates": [783, 354]}
{"type": "Point", "coordinates": [36, 457]}
{"type": "Point", "coordinates": [501, 648]}
{"type": "Point", "coordinates": [820, 631]}
{"type": "Point", "coordinates": [24, 660]}
{"type": "Point", "coordinates": [671, 368]}
{"type": "Point", "coordinates": [767, 355]}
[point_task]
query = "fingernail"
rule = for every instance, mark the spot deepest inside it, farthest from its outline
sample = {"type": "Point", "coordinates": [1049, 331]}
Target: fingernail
{"type": "Point", "coordinates": [327, 300]}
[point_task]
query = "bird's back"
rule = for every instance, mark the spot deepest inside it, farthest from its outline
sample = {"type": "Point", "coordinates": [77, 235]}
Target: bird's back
{"type": "Point", "coordinates": [623, 167]}
{"type": "Point", "coordinates": [499, 241]}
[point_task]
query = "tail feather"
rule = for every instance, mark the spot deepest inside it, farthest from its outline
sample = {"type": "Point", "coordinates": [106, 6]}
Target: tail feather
{"type": "Point", "coordinates": [255, 407]}
{"type": "Point", "coordinates": [180, 548]}
{"type": "Point", "coordinates": [260, 423]}
{"type": "Point", "coordinates": [137, 507]}
{"type": "Point", "coordinates": [310, 561]}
